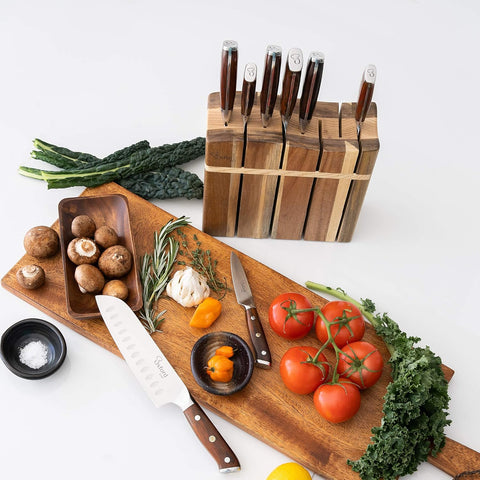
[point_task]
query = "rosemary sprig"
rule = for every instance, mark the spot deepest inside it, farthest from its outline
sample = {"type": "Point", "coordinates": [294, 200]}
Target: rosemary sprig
{"type": "Point", "coordinates": [201, 261]}
{"type": "Point", "coordinates": [155, 272]}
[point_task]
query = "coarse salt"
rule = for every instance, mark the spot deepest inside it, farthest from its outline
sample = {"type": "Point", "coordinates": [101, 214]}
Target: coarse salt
{"type": "Point", "coordinates": [34, 354]}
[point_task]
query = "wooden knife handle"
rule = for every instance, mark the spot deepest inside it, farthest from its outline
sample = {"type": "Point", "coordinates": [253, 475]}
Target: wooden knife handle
{"type": "Point", "coordinates": [456, 458]}
{"type": "Point", "coordinates": [263, 358]}
{"type": "Point", "coordinates": [211, 438]}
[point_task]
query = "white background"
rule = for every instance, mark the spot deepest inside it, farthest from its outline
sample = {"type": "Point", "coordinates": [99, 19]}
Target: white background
{"type": "Point", "coordinates": [96, 76]}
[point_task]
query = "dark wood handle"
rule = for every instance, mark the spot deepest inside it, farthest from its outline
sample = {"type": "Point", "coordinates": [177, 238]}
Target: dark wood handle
{"type": "Point", "coordinates": [263, 358]}
{"type": "Point", "coordinates": [456, 458]}
{"type": "Point", "coordinates": [366, 93]}
{"type": "Point", "coordinates": [228, 77]}
{"type": "Point", "coordinates": [271, 77]}
{"type": "Point", "coordinates": [311, 85]}
{"type": "Point", "coordinates": [211, 439]}
{"type": "Point", "coordinates": [248, 89]}
{"type": "Point", "coordinates": [291, 83]}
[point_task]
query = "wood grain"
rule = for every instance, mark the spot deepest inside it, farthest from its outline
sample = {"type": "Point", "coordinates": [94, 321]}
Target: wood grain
{"type": "Point", "coordinates": [265, 408]}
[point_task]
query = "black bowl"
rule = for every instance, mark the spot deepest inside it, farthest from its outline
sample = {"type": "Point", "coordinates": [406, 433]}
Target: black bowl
{"type": "Point", "coordinates": [22, 333]}
{"type": "Point", "coordinates": [205, 348]}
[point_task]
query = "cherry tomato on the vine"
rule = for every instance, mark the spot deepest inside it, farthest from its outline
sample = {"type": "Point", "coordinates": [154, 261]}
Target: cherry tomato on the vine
{"type": "Point", "coordinates": [337, 402]}
{"type": "Point", "coordinates": [349, 324]}
{"type": "Point", "coordinates": [290, 325]}
{"type": "Point", "coordinates": [299, 373]}
{"type": "Point", "coordinates": [361, 363]}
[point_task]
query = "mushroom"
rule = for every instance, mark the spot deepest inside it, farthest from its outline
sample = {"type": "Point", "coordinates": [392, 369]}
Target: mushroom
{"type": "Point", "coordinates": [188, 287]}
{"type": "Point", "coordinates": [106, 236]}
{"type": "Point", "coordinates": [115, 261]}
{"type": "Point", "coordinates": [116, 288]}
{"type": "Point", "coordinates": [83, 250]}
{"type": "Point", "coordinates": [41, 242]}
{"type": "Point", "coordinates": [83, 226]}
{"type": "Point", "coordinates": [31, 276]}
{"type": "Point", "coordinates": [89, 278]}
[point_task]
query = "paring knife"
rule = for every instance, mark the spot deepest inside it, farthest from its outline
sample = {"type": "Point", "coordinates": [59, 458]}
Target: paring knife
{"type": "Point", "coordinates": [311, 88]}
{"type": "Point", "coordinates": [228, 78]}
{"type": "Point", "coordinates": [365, 95]}
{"type": "Point", "coordinates": [244, 296]}
{"type": "Point", "coordinates": [158, 378]}
{"type": "Point", "coordinates": [291, 84]}
{"type": "Point", "coordinates": [248, 90]}
{"type": "Point", "coordinates": [271, 77]}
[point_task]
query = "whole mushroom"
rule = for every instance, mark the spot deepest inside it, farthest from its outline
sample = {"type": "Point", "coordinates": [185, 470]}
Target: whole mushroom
{"type": "Point", "coordinates": [89, 278]}
{"type": "Point", "coordinates": [41, 242]}
{"type": "Point", "coordinates": [116, 288]}
{"type": "Point", "coordinates": [83, 250]}
{"type": "Point", "coordinates": [83, 226]}
{"type": "Point", "coordinates": [115, 261]}
{"type": "Point", "coordinates": [106, 236]}
{"type": "Point", "coordinates": [31, 276]}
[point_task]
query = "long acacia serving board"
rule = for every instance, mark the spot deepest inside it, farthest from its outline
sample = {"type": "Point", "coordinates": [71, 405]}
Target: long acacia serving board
{"type": "Point", "coordinates": [265, 408]}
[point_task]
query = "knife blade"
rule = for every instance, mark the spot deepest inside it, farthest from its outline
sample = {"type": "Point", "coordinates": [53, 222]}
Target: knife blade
{"type": "Point", "coordinates": [365, 95]}
{"type": "Point", "coordinates": [291, 84]}
{"type": "Point", "coordinates": [244, 296]}
{"type": "Point", "coordinates": [311, 88]}
{"type": "Point", "coordinates": [158, 378]}
{"type": "Point", "coordinates": [271, 76]}
{"type": "Point", "coordinates": [248, 90]}
{"type": "Point", "coordinates": [228, 78]}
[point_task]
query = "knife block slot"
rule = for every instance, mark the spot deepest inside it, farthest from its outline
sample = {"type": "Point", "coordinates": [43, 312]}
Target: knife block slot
{"type": "Point", "coordinates": [261, 182]}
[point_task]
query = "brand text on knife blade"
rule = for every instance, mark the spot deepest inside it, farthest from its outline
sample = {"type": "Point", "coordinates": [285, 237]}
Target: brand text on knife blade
{"type": "Point", "coordinates": [158, 363]}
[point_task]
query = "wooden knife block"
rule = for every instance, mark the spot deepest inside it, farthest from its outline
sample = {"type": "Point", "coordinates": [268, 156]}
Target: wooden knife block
{"type": "Point", "coordinates": [260, 182]}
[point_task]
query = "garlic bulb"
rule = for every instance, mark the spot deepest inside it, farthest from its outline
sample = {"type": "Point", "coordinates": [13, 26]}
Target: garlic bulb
{"type": "Point", "coordinates": [188, 287]}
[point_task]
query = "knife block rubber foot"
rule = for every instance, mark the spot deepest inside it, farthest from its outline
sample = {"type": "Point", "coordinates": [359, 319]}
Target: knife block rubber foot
{"type": "Point", "coordinates": [266, 182]}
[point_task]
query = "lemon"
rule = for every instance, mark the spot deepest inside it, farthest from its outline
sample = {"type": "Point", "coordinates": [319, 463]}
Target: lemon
{"type": "Point", "coordinates": [289, 471]}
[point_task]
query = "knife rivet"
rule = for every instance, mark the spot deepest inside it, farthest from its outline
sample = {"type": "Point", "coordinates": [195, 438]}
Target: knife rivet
{"type": "Point", "coordinates": [212, 438]}
{"type": "Point", "coordinates": [264, 352]}
{"type": "Point", "coordinates": [252, 317]}
{"type": "Point", "coordinates": [258, 335]}
{"type": "Point", "coordinates": [227, 460]}
{"type": "Point", "coordinates": [197, 418]}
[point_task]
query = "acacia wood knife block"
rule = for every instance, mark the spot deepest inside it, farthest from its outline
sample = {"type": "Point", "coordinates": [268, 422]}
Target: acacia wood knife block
{"type": "Point", "coordinates": [263, 182]}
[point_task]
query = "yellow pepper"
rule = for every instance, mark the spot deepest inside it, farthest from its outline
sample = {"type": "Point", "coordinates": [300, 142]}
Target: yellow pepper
{"type": "Point", "coordinates": [206, 313]}
{"type": "Point", "coordinates": [220, 368]}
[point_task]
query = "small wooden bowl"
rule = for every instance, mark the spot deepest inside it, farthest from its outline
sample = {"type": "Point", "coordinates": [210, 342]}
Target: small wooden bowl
{"type": "Point", "coordinates": [111, 210]}
{"type": "Point", "coordinates": [242, 359]}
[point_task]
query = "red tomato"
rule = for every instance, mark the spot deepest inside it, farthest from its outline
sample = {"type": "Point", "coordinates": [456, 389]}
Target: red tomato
{"type": "Point", "coordinates": [350, 326]}
{"type": "Point", "coordinates": [361, 363]}
{"type": "Point", "coordinates": [288, 325]}
{"type": "Point", "coordinates": [337, 402]}
{"type": "Point", "coordinates": [299, 373]}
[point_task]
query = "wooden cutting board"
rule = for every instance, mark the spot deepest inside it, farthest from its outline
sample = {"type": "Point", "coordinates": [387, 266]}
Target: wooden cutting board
{"type": "Point", "coordinates": [265, 408]}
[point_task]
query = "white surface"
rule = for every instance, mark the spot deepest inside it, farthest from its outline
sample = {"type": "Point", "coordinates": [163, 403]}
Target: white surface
{"type": "Point", "coordinates": [99, 75]}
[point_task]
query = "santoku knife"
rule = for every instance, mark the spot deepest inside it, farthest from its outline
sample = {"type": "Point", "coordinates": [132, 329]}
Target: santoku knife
{"type": "Point", "coordinates": [311, 88]}
{"type": "Point", "coordinates": [271, 77]}
{"type": "Point", "coordinates": [245, 298]}
{"type": "Point", "coordinates": [291, 83]}
{"type": "Point", "coordinates": [158, 378]}
{"type": "Point", "coordinates": [228, 78]}
{"type": "Point", "coordinates": [365, 95]}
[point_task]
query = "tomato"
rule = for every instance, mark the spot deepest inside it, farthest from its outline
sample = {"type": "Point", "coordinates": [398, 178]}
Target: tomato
{"type": "Point", "coordinates": [298, 372]}
{"type": "Point", "coordinates": [350, 326]}
{"type": "Point", "coordinates": [290, 471]}
{"type": "Point", "coordinates": [337, 402]}
{"type": "Point", "coordinates": [290, 325]}
{"type": "Point", "coordinates": [361, 363]}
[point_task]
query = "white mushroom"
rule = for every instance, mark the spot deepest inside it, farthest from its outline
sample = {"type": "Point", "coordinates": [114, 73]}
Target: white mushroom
{"type": "Point", "coordinates": [188, 287]}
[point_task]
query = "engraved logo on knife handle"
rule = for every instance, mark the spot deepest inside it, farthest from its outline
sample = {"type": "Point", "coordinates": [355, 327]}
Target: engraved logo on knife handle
{"type": "Point", "coordinates": [263, 358]}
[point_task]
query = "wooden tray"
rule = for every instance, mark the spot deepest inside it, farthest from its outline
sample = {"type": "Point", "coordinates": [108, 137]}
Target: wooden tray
{"type": "Point", "coordinates": [265, 408]}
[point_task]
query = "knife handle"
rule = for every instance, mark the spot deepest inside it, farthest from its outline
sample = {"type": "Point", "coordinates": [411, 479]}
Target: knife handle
{"type": "Point", "coordinates": [366, 93]}
{"type": "Point", "coordinates": [263, 358]}
{"type": "Point", "coordinates": [271, 77]}
{"type": "Point", "coordinates": [228, 78]}
{"type": "Point", "coordinates": [291, 83]}
{"type": "Point", "coordinates": [248, 90]}
{"type": "Point", "coordinates": [211, 438]}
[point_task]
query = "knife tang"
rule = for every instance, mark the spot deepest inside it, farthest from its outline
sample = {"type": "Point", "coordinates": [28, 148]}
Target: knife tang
{"type": "Point", "coordinates": [248, 90]}
{"type": "Point", "coordinates": [228, 78]}
{"type": "Point", "coordinates": [263, 357]}
{"type": "Point", "coordinates": [365, 95]}
{"type": "Point", "coordinates": [311, 88]}
{"type": "Point", "coordinates": [291, 84]}
{"type": "Point", "coordinates": [271, 77]}
{"type": "Point", "coordinates": [211, 438]}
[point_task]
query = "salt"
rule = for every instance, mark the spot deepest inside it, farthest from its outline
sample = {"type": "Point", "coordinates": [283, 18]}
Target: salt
{"type": "Point", "coordinates": [34, 354]}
